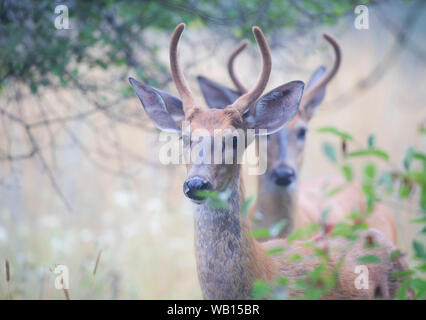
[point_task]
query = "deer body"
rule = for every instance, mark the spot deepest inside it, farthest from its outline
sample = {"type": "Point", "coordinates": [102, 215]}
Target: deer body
{"type": "Point", "coordinates": [279, 194]}
{"type": "Point", "coordinates": [311, 200]}
{"type": "Point", "coordinates": [228, 258]}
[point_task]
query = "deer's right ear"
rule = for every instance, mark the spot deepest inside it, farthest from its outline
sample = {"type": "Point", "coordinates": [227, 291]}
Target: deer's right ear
{"type": "Point", "coordinates": [216, 95]}
{"type": "Point", "coordinates": [274, 109]}
{"type": "Point", "coordinates": [164, 109]}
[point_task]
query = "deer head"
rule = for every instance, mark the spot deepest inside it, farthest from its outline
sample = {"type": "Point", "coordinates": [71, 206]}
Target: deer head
{"type": "Point", "coordinates": [286, 147]}
{"type": "Point", "coordinates": [227, 123]}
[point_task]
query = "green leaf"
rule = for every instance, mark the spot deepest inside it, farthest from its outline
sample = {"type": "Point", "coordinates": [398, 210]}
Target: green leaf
{"type": "Point", "coordinates": [295, 235]}
{"type": "Point", "coordinates": [320, 253]}
{"type": "Point", "coordinates": [368, 190]}
{"type": "Point", "coordinates": [33, 87]}
{"type": "Point", "coordinates": [402, 274]}
{"type": "Point", "coordinates": [336, 132]}
{"type": "Point", "coordinates": [335, 190]}
{"type": "Point", "coordinates": [314, 293]}
{"type": "Point", "coordinates": [420, 156]}
{"type": "Point", "coordinates": [395, 254]}
{"type": "Point", "coordinates": [386, 179]}
{"type": "Point", "coordinates": [275, 251]}
{"type": "Point", "coordinates": [371, 141]}
{"type": "Point", "coordinates": [420, 286]}
{"type": "Point", "coordinates": [369, 259]}
{"type": "Point", "coordinates": [329, 151]}
{"type": "Point", "coordinates": [218, 204]}
{"type": "Point", "coordinates": [347, 172]}
{"type": "Point", "coordinates": [127, 91]}
{"type": "Point", "coordinates": [208, 194]}
{"type": "Point", "coordinates": [419, 250]}
{"type": "Point", "coordinates": [371, 244]}
{"type": "Point", "coordinates": [324, 215]}
{"type": "Point", "coordinates": [260, 233]}
{"type": "Point", "coordinates": [404, 191]}
{"type": "Point", "coordinates": [370, 171]}
{"type": "Point", "coordinates": [306, 232]}
{"type": "Point", "coordinates": [344, 230]}
{"type": "Point", "coordinates": [276, 228]}
{"type": "Point", "coordinates": [218, 199]}
{"type": "Point", "coordinates": [417, 176]}
{"type": "Point", "coordinates": [295, 257]}
{"type": "Point", "coordinates": [408, 158]}
{"type": "Point", "coordinates": [246, 205]}
{"type": "Point", "coordinates": [368, 152]}
{"type": "Point", "coordinates": [356, 215]}
{"type": "Point", "coordinates": [300, 284]}
{"type": "Point", "coordinates": [419, 220]}
{"type": "Point", "coordinates": [260, 289]}
{"type": "Point", "coordinates": [422, 267]}
{"type": "Point", "coordinates": [401, 294]}
{"type": "Point", "coordinates": [282, 281]}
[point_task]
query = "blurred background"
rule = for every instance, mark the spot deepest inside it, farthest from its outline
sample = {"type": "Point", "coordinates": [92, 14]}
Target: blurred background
{"type": "Point", "coordinates": [79, 169]}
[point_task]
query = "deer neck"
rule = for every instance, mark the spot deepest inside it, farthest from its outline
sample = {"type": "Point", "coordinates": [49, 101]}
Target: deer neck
{"type": "Point", "coordinates": [228, 258]}
{"type": "Point", "coordinates": [276, 203]}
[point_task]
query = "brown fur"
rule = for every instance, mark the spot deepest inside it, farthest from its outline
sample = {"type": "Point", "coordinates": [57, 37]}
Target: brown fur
{"type": "Point", "coordinates": [311, 203]}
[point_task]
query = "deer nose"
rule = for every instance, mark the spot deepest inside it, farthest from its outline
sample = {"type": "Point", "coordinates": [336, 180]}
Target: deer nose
{"type": "Point", "coordinates": [283, 176]}
{"type": "Point", "coordinates": [194, 185]}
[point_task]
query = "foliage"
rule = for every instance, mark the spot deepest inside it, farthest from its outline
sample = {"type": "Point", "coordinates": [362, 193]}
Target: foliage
{"type": "Point", "coordinates": [411, 182]}
{"type": "Point", "coordinates": [106, 33]}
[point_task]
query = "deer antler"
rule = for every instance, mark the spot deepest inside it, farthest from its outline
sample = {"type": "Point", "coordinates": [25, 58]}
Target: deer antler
{"type": "Point", "coordinates": [243, 102]}
{"type": "Point", "coordinates": [177, 74]}
{"type": "Point", "coordinates": [241, 88]}
{"type": "Point", "coordinates": [313, 91]}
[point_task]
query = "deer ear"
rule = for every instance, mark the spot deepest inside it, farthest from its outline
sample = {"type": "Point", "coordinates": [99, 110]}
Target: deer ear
{"type": "Point", "coordinates": [274, 109]}
{"type": "Point", "coordinates": [311, 106]}
{"type": "Point", "coordinates": [164, 109]}
{"type": "Point", "coordinates": [216, 95]}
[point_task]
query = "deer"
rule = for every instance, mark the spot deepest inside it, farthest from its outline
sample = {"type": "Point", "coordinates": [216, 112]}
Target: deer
{"type": "Point", "coordinates": [279, 196]}
{"type": "Point", "coordinates": [228, 258]}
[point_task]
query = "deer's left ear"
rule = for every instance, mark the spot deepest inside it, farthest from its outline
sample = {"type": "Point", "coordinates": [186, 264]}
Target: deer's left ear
{"type": "Point", "coordinates": [165, 110]}
{"type": "Point", "coordinates": [216, 95]}
{"type": "Point", "coordinates": [310, 107]}
{"type": "Point", "coordinates": [274, 109]}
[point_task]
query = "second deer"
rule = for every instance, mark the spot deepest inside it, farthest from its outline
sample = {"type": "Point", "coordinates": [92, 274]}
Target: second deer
{"type": "Point", "coordinates": [279, 196]}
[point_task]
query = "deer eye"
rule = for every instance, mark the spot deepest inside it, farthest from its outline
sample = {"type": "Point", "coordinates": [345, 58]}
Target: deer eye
{"type": "Point", "coordinates": [301, 133]}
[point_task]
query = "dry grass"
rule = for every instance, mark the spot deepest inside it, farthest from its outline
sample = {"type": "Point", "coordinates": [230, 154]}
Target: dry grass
{"type": "Point", "coordinates": [7, 269]}
{"type": "Point", "coordinates": [98, 258]}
